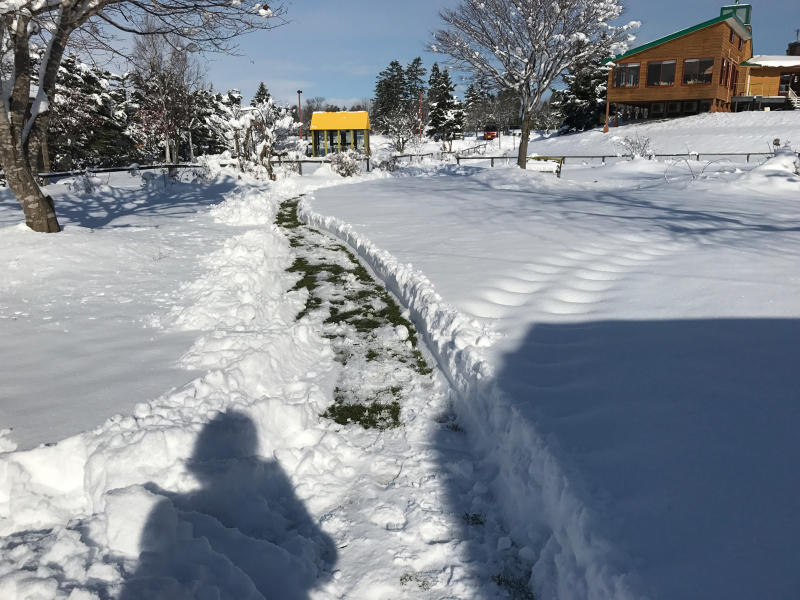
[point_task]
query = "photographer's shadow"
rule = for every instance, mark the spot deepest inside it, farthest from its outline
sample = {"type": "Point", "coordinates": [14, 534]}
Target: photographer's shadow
{"type": "Point", "coordinates": [244, 534]}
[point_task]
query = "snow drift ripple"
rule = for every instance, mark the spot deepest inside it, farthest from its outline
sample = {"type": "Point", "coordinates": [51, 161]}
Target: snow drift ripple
{"type": "Point", "coordinates": [537, 501]}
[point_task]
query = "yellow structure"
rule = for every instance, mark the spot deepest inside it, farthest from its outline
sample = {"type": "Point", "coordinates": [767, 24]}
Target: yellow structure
{"type": "Point", "coordinates": [339, 131]}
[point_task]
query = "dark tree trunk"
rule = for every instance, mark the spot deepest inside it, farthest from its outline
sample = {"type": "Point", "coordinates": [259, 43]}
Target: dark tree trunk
{"type": "Point", "coordinates": [40, 214]}
{"type": "Point", "coordinates": [20, 149]}
{"type": "Point", "coordinates": [522, 156]}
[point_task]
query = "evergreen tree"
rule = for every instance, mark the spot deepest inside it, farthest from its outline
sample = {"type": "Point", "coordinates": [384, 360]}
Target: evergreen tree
{"type": "Point", "coordinates": [415, 88]}
{"type": "Point", "coordinates": [445, 113]}
{"type": "Point", "coordinates": [390, 94]}
{"type": "Point", "coordinates": [89, 120]}
{"type": "Point", "coordinates": [262, 95]}
{"type": "Point", "coordinates": [209, 127]}
{"type": "Point", "coordinates": [395, 108]}
{"type": "Point", "coordinates": [582, 104]}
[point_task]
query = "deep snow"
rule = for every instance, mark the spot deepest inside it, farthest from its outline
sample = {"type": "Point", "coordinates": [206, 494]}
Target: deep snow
{"type": "Point", "coordinates": [614, 412]}
{"type": "Point", "coordinates": [232, 484]}
{"type": "Point", "coordinates": [640, 405]}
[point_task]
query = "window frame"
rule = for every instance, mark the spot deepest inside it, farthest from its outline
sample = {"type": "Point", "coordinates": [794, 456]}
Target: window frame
{"type": "Point", "coordinates": [626, 67]}
{"type": "Point", "coordinates": [741, 43]}
{"type": "Point", "coordinates": [724, 72]}
{"type": "Point", "coordinates": [661, 61]}
{"type": "Point", "coordinates": [732, 36]}
{"type": "Point", "coordinates": [683, 71]}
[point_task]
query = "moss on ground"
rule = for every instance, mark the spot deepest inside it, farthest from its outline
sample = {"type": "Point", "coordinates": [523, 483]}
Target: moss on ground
{"type": "Point", "coordinates": [375, 309]}
{"type": "Point", "coordinates": [371, 415]}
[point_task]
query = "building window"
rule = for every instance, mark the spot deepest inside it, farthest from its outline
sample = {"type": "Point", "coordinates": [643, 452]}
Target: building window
{"type": "Point", "coordinates": [657, 108]}
{"type": "Point", "coordinates": [734, 78]}
{"type": "Point", "coordinates": [732, 36]}
{"type": "Point", "coordinates": [723, 76]}
{"type": "Point", "coordinates": [698, 70]}
{"type": "Point", "coordinates": [627, 75]}
{"type": "Point", "coordinates": [661, 72]}
{"type": "Point", "coordinates": [673, 108]}
{"type": "Point", "coordinates": [740, 43]}
{"type": "Point", "coordinates": [785, 83]}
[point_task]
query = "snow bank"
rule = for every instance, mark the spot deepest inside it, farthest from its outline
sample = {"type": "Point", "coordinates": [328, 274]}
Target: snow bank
{"type": "Point", "coordinates": [533, 491]}
{"type": "Point", "coordinates": [81, 510]}
{"type": "Point", "coordinates": [705, 133]}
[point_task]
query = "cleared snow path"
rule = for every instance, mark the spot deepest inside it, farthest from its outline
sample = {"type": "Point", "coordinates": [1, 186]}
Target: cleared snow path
{"type": "Point", "coordinates": [236, 485]}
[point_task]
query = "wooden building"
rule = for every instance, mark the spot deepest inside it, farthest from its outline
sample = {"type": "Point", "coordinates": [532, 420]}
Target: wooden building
{"type": "Point", "coordinates": [339, 131]}
{"type": "Point", "coordinates": [708, 67]}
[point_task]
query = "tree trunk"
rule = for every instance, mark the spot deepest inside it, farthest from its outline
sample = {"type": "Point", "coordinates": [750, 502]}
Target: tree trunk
{"type": "Point", "coordinates": [40, 213]}
{"type": "Point", "coordinates": [191, 148]}
{"type": "Point", "coordinates": [522, 156]}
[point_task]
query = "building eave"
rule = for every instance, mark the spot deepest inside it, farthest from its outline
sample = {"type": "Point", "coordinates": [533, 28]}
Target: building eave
{"type": "Point", "coordinates": [739, 27]}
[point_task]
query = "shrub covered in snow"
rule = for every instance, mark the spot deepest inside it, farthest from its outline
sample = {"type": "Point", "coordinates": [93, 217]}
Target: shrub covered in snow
{"type": "Point", "coordinates": [346, 164]}
{"type": "Point", "coordinates": [636, 146]}
{"type": "Point", "coordinates": [86, 183]}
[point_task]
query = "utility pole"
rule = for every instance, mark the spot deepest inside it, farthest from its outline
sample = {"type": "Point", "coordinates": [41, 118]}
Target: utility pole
{"type": "Point", "coordinates": [300, 113]}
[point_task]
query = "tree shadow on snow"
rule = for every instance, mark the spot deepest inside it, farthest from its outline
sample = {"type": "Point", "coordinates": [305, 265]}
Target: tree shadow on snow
{"type": "Point", "coordinates": [677, 436]}
{"type": "Point", "coordinates": [116, 205]}
{"type": "Point", "coordinates": [243, 534]}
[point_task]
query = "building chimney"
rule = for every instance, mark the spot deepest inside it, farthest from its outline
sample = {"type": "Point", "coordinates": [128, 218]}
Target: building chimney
{"type": "Point", "coordinates": [794, 47]}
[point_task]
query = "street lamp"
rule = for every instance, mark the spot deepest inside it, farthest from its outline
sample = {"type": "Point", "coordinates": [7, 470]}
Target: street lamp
{"type": "Point", "coordinates": [300, 113]}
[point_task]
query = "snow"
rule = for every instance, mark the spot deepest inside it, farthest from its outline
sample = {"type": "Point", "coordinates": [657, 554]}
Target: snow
{"type": "Point", "coordinates": [612, 415]}
{"type": "Point", "coordinates": [218, 477]}
{"type": "Point", "coordinates": [707, 134]}
{"type": "Point", "coordinates": [643, 384]}
{"type": "Point", "coordinates": [771, 60]}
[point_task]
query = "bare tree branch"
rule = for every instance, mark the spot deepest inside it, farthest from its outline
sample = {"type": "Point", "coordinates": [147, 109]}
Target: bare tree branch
{"type": "Point", "coordinates": [524, 45]}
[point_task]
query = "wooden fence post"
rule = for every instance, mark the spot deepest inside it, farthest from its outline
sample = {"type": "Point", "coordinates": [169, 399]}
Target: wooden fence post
{"type": "Point", "coordinates": [492, 159]}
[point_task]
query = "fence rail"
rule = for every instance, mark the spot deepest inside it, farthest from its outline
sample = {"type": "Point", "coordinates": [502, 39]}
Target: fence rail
{"type": "Point", "coordinates": [169, 166]}
{"type": "Point", "coordinates": [561, 160]}
{"type": "Point", "coordinates": [174, 166]}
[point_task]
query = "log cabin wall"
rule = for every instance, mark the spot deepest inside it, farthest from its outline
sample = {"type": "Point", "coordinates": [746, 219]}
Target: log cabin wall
{"type": "Point", "coordinates": [764, 81]}
{"type": "Point", "coordinates": [714, 42]}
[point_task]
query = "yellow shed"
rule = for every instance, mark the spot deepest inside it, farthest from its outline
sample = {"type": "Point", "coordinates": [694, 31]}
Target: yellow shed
{"type": "Point", "coordinates": [339, 131]}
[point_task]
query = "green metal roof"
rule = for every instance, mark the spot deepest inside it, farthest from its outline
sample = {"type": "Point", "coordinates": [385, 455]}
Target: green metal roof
{"type": "Point", "coordinates": [732, 20]}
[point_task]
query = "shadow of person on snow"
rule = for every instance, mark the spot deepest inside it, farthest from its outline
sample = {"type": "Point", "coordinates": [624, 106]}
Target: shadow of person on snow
{"type": "Point", "coordinates": [243, 534]}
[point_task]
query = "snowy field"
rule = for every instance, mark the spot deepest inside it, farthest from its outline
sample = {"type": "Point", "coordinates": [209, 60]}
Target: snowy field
{"type": "Point", "coordinates": [613, 414]}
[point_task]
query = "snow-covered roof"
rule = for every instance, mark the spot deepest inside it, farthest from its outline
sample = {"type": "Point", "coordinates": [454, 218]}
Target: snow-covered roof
{"type": "Point", "coordinates": [768, 60]}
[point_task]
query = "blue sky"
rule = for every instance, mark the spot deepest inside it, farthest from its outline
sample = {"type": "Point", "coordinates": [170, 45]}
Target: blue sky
{"type": "Point", "coordinates": [336, 48]}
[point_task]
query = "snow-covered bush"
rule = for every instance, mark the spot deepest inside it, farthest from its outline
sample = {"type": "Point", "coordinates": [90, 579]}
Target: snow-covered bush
{"type": "Point", "coordinates": [389, 165]}
{"type": "Point", "coordinates": [86, 183]}
{"type": "Point", "coordinates": [153, 180]}
{"type": "Point", "coordinates": [637, 146]}
{"type": "Point", "coordinates": [346, 164]}
{"type": "Point", "coordinates": [260, 132]}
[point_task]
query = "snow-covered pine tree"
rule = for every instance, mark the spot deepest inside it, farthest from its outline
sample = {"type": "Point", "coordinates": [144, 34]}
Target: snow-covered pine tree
{"type": "Point", "coordinates": [210, 128]}
{"type": "Point", "coordinates": [445, 113]}
{"type": "Point", "coordinates": [473, 112]}
{"type": "Point", "coordinates": [415, 89]}
{"type": "Point", "coordinates": [394, 112]}
{"type": "Point", "coordinates": [390, 94]}
{"type": "Point", "coordinates": [582, 104]}
{"type": "Point", "coordinates": [262, 95]}
{"type": "Point", "coordinates": [88, 126]}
